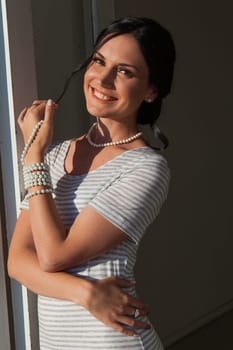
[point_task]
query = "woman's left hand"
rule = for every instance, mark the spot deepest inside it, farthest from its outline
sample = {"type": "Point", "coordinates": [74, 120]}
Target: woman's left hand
{"type": "Point", "coordinates": [112, 305]}
{"type": "Point", "coordinates": [29, 117]}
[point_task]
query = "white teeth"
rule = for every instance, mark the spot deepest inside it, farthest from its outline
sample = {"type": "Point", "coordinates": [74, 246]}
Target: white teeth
{"type": "Point", "coordinates": [101, 96]}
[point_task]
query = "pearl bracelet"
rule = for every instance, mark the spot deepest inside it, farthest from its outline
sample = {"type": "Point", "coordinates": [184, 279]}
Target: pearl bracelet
{"type": "Point", "coordinates": [41, 178]}
{"type": "Point", "coordinates": [38, 192]}
{"type": "Point", "coordinates": [30, 140]}
{"type": "Point", "coordinates": [35, 167]}
{"type": "Point", "coordinates": [36, 174]}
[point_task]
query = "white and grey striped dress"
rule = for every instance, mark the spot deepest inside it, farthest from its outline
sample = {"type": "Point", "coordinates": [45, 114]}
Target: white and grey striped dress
{"type": "Point", "coordinates": [129, 191]}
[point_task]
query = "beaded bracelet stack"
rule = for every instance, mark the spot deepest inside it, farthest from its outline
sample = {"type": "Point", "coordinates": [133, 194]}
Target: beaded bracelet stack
{"type": "Point", "coordinates": [36, 174]}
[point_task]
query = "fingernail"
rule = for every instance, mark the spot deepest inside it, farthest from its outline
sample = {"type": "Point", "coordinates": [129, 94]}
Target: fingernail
{"type": "Point", "coordinates": [50, 102]}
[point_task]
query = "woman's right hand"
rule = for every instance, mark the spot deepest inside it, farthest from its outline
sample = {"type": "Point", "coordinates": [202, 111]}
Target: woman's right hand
{"type": "Point", "coordinates": [110, 304]}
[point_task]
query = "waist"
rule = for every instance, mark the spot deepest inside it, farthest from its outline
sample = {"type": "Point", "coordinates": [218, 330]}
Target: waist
{"type": "Point", "coordinates": [100, 268]}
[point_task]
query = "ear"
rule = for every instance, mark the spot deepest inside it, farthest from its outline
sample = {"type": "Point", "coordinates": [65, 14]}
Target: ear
{"type": "Point", "coordinates": [151, 95]}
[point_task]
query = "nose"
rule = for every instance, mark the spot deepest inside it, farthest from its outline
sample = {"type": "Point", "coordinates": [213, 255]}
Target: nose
{"type": "Point", "coordinates": [107, 78]}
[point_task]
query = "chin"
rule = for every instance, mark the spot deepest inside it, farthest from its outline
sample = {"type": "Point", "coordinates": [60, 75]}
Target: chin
{"type": "Point", "coordinates": [98, 112]}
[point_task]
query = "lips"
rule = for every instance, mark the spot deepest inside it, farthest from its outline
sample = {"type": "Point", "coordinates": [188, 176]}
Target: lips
{"type": "Point", "coordinates": [102, 96]}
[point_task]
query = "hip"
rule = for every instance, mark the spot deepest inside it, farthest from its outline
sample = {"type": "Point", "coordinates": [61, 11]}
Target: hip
{"type": "Point", "coordinates": [65, 325]}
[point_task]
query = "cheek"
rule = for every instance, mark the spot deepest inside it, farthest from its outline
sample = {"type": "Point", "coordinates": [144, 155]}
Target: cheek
{"type": "Point", "coordinates": [88, 76]}
{"type": "Point", "coordinates": [136, 92]}
{"type": "Point", "coordinates": [91, 72]}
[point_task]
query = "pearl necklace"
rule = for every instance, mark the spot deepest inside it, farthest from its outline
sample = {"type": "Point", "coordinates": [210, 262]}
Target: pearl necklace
{"type": "Point", "coordinates": [113, 143]}
{"type": "Point", "coordinates": [30, 140]}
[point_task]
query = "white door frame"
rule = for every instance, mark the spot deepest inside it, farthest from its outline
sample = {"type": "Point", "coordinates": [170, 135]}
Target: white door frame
{"type": "Point", "coordinates": [18, 84]}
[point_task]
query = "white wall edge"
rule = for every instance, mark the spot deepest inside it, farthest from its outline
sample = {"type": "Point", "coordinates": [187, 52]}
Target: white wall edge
{"type": "Point", "coordinates": [10, 105]}
{"type": "Point", "coordinates": [19, 65]}
{"type": "Point", "coordinates": [16, 189]}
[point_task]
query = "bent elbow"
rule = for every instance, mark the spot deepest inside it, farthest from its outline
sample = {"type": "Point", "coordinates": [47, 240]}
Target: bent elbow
{"type": "Point", "coordinates": [10, 271]}
{"type": "Point", "coordinates": [12, 267]}
{"type": "Point", "coordinates": [50, 265]}
{"type": "Point", "coordinates": [56, 262]}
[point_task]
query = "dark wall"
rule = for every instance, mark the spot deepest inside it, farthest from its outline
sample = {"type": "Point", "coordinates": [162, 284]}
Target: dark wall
{"type": "Point", "coordinates": [186, 261]}
{"type": "Point", "coordinates": [60, 46]}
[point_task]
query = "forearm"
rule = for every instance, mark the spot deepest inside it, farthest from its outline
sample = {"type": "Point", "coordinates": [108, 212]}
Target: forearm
{"type": "Point", "coordinates": [103, 298]}
{"type": "Point", "coordinates": [47, 227]}
{"type": "Point", "coordinates": [26, 270]}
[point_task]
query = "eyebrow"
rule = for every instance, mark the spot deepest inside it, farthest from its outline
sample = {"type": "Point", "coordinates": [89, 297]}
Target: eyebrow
{"type": "Point", "coordinates": [120, 64]}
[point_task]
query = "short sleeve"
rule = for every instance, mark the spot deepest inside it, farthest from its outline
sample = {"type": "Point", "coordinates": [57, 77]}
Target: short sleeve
{"type": "Point", "coordinates": [134, 200]}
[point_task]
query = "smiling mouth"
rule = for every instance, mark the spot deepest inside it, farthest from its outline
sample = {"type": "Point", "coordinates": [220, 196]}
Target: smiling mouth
{"type": "Point", "coordinates": [102, 96]}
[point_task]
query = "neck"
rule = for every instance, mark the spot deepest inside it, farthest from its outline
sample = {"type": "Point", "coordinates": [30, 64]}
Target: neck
{"type": "Point", "coordinates": [110, 130]}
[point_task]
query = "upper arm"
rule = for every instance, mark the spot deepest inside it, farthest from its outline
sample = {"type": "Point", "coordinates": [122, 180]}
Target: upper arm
{"type": "Point", "coordinates": [123, 210]}
{"type": "Point", "coordinates": [90, 236]}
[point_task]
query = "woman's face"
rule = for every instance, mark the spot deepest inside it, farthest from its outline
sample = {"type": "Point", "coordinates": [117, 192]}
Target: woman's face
{"type": "Point", "coordinates": [117, 80]}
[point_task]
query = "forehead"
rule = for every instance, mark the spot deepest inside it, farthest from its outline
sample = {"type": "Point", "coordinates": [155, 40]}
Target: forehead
{"type": "Point", "coordinates": [124, 49]}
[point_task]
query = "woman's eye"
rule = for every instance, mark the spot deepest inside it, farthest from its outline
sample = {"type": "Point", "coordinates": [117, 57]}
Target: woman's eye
{"type": "Point", "coordinates": [125, 72]}
{"type": "Point", "coordinates": [98, 60]}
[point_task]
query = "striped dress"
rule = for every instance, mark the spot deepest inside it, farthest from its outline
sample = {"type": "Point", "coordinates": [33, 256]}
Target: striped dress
{"type": "Point", "coordinates": [129, 191]}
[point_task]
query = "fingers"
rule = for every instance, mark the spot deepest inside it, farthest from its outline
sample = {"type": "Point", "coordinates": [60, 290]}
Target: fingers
{"type": "Point", "coordinates": [38, 104]}
{"type": "Point", "coordinates": [129, 303]}
{"type": "Point", "coordinates": [122, 323]}
{"type": "Point", "coordinates": [137, 304]}
{"type": "Point", "coordinates": [120, 328]}
{"type": "Point", "coordinates": [127, 324]}
{"type": "Point", "coordinates": [40, 110]}
{"type": "Point", "coordinates": [49, 111]}
{"type": "Point", "coordinates": [39, 107]}
{"type": "Point", "coordinates": [123, 283]}
{"type": "Point", "coordinates": [33, 107]}
{"type": "Point", "coordinates": [132, 322]}
{"type": "Point", "coordinates": [41, 104]}
{"type": "Point", "coordinates": [129, 310]}
{"type": "Point", "coordinates": [122, 311]}
{"type": "Point", "coordinates": [21, 115]}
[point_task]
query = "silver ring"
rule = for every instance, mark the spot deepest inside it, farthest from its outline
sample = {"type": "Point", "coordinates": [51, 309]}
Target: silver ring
{"type": "Point", "coordinates": [136, 313]}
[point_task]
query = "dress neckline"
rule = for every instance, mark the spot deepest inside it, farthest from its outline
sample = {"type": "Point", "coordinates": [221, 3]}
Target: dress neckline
{"type": "Point", "coordinates": [67, 147]}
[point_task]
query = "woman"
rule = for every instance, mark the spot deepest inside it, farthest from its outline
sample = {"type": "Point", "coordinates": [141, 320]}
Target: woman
{"type": "Point", "coordinates": [108, 186]}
